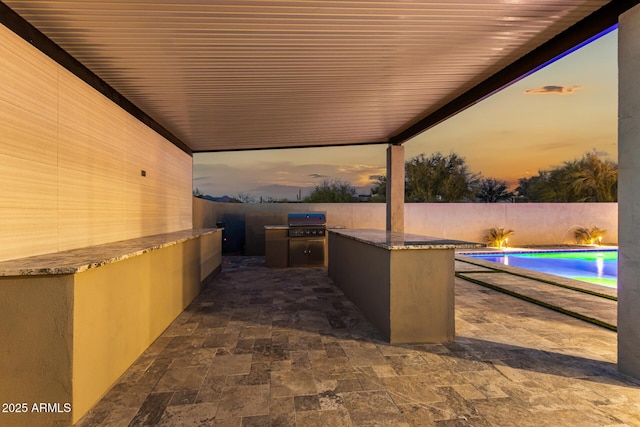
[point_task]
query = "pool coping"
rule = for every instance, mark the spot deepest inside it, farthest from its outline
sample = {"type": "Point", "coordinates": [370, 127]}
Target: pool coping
{"type": "Point", "coordinates": [548, 279]}
{"type": "Point", "coordinates": [546, 249]}
{"type": "Point", "coordinates": [542, 249]}
{"type": "Point", "coordinates": [563, 282]}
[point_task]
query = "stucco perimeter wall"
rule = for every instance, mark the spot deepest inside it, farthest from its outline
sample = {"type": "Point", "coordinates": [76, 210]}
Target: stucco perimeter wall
{"type": "Point", "coordinates": [71, 162]}
{"type": "Point", "coordinates": [533, 223]}
{"type": "Point", "coordinates": [67, 339]}
{"type": "Point", "coordinates": [244, 222]}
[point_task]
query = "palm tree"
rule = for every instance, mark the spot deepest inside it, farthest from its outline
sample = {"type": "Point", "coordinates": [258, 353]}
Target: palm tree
{"type": "Point", "coordinates": [498, 237]}
{"type": "Point", "coordinates": [596, 180]}
{"type": "Point", "coordinates": [584, 235]}
{"type": "Point", "coordinates": [493, 190]}
{"type": "Point", "coordinates": [588, 179]}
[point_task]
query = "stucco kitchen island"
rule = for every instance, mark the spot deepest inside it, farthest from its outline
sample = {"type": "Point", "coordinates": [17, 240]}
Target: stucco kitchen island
{"type": "Point", "coordinates": [72, 322]}
{"type": "Point", "coordinates": [403, 283]}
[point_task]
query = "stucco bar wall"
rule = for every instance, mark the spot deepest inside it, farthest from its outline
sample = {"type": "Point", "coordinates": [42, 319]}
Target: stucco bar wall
{"type": "Point", "coordinates": [403, 283]}
{"type": "Point", "coordinates": [71, 162]}
{"type": "Point", "coordinates": [66, 338]}
{"type": "Point", "coordinates": [629, 183]}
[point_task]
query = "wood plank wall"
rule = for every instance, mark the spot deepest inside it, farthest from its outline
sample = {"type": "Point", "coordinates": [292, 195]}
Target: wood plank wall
{"type": "Point", "coordinates": [71, 162]}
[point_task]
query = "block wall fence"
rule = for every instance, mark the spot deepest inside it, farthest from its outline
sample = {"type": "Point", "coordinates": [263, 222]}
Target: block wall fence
{"type": "Point", "coordinates": [533, 223]}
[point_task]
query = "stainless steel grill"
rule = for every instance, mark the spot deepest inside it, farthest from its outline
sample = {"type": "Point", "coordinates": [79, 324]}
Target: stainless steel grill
{"type": "Point", "coordinates": [307, 238]}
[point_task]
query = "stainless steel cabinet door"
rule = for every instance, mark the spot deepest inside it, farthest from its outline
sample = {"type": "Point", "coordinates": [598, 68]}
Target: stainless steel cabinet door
{"type": "Point", "coordinates": [306, 252]}
{"type": "Point", "coordinates": [297, 252]}
{"type": "Point", "coordinates": [315, 252]}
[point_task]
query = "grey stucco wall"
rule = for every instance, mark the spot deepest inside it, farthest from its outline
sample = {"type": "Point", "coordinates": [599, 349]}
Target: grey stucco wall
{"type": "Point", "coordinates": [363, 273]}
{"type": "Point", "coordinates": [629, 158]}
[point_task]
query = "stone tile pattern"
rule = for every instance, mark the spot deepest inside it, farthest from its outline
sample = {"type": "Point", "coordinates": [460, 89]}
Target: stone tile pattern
{"type": "Point", "coordinates": [596, 307]}
{"type": "Point", "coordinates": [283, 347]}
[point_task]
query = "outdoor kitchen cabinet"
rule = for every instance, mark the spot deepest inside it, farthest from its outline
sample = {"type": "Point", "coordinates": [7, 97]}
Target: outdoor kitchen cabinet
{"type": "Point", "coordinates": [307, 239]}
{"type": "Point", "coordinates": [306, 252]}
{"type": "Point", "coordinates": [276, 246]}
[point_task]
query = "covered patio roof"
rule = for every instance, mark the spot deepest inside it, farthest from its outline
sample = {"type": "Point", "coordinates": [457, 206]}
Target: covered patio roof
{"type": "Point", "coordinates": [259, 74]}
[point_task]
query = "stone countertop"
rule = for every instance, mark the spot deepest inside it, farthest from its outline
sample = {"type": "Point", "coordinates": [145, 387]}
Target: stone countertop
{"type": "Point", "coordinates": [82, 259]}
{"type": "Point", "coordinates": [286, 227]}
{"type": "Point", "coordinates": [391, 240]}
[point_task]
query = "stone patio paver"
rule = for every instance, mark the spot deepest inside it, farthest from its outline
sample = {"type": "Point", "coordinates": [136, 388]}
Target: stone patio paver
{"type": "Point", "coordinates": [585, 304]}
{"type": "Point", "coordinates": [283, 347]}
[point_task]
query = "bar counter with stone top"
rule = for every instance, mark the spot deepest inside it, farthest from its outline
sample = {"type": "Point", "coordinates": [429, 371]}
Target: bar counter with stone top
{"type": "Point", "coordinates": [393, 240]}
{"type": "Point", "coordinates": [403, 283]}
{"type": "Point", "coordinates": [78, 260]}
{"type": "Point", "coordinates": [74, 321]}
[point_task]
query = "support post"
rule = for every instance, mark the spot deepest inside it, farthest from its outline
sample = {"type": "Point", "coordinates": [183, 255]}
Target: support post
{"type": "Point", "coordinates": [395, 188]}
{"type": "Point", "coordinates": [628, 198]}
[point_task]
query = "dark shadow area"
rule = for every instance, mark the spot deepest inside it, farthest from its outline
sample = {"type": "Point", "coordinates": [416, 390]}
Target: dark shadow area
{"type": "Point", "coordinates": [531, 359]}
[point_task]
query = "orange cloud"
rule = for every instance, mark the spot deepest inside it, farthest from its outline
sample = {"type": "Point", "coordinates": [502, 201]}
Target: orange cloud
{"type": "Point", "coordinates": [552, 89]}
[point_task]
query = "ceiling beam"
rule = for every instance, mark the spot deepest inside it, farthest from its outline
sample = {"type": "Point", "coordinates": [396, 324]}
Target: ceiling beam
{"type": "Point", "coordinates": [569, 40]}
{"type": "Point", "coordinates": [289, 147]}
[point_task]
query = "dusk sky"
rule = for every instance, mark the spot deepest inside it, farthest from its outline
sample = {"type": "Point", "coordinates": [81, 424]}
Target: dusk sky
{"type": "Point", "coordinates": [554, 115]}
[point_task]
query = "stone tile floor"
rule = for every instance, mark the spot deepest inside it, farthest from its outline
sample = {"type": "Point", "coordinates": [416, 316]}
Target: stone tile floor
{"type": "Point", "coordinates": [283, 347]}
{"type": "Point", "coordinates": [582, 304]}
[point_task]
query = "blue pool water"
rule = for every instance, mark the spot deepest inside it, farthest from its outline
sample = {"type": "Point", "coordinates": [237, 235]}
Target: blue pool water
{"type": "Point", "coordinates": [598, 267]}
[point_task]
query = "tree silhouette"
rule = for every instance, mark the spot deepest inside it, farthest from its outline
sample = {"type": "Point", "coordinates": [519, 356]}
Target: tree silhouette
{"type": "Point", "coordinates": [439, 178]}
{"type": "Point", "coordinates": [245, 198]}
{"type": "Point", "coordinates": [589, 179]}
{"type": "Point", "coordinates": [492, 190]}
{"type": "Point", "coordinates": [595, 180]}
{"type": "Point", "coordinates": [335, 191]}
{"type": "Point", "coordinates": [379, 189]}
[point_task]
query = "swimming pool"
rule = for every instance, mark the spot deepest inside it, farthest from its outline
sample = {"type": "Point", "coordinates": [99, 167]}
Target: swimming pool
{"type": "Point", "coordinates": [599, 267]}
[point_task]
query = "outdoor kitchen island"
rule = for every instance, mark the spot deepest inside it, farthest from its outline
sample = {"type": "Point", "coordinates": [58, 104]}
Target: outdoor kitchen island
{"type": "Point", "coordinates": [403, 283]}
{"type": "Point", "coordinates": [72, 322]}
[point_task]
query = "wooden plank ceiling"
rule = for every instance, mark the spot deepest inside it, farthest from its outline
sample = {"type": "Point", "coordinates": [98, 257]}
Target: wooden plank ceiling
{"type": "Point", "coordinates": [239, 74]}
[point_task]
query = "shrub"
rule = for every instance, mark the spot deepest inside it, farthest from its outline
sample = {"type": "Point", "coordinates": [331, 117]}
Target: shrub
{"type": "Point", "coordinates": [497, 237]}
{"type": "Point", "coordinates": [590, 237]}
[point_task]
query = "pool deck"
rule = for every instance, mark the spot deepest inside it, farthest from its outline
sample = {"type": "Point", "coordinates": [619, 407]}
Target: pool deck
{"type": "Point", "coordinates": [283, 347]}
{"type": "Point", "coordinates": [586, 301]}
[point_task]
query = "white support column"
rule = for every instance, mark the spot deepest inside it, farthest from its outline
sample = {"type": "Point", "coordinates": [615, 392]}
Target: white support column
{"type": "Point", "coordinates": [628, 195]}
{"type": "Point", "coordinates": [395, 188]}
